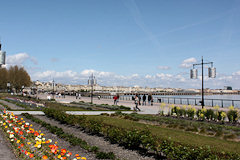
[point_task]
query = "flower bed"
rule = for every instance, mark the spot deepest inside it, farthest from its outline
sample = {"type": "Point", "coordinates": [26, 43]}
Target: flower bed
{"type": "Point", "coordinates": [25, 103]}
{"type": "Point", "coordinates": [71, 138]}
{"type": "Point", "coordinates": [216, 115]}
{"type": "Point", "coordinates": [101, 106]}
{"type": "Point", "coordinates": [30, 143]}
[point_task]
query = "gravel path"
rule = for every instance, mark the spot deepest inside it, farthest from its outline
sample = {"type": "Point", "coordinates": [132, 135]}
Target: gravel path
{"type": "Point", "coordinates": [10, 105]}
{"type": "Point", "coordinates": [62, 143]}
{"type": "Point", "coordinates": [100, 142]}
{"type": "Point", "coordinates": [6, 153]}
{"type": "Point", "coordinates": [1, 108]}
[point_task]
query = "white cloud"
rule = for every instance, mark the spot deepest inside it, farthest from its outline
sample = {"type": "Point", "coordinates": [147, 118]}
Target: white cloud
{"type": "Point", "coordinates": [187, 63]}
{"type": "Point", "coordinates": [88, 72]}
{"type": "Point", "coordinates": [65, 76]}
{"type": "Point", "coordinates": [157, 80]}
{"type": "Point", "coordinates": [164, 67]}
{"type": "Point", "coordinates": [164, 76]}
{"type": "Point", "coordinates": [148, 76]}
{"type": "Point", "coordinates": [134, 75]}
{"type": "Point", "coordinates": [236, 73]}
{"type": "Point", "coordinates": [19, 59]}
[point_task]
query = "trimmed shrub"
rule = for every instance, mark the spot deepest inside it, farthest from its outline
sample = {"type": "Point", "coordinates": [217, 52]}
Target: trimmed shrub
{"type": "Point", "coordinates": [232, 116]}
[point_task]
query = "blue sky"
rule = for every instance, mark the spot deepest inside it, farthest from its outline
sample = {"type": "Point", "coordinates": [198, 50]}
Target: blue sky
{"type": "Point", "coordinates": [123, 42]}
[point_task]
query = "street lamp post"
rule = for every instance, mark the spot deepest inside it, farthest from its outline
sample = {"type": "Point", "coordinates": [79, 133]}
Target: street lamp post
{"type": "Point", "coordinates": [211, 74]}
{"type": "Point", "coordinates": [53, 88]}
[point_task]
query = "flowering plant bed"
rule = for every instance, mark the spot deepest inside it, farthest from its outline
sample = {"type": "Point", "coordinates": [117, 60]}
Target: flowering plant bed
{"type": "Point", "coordinates": [73, 140]}
{"type": "Point", "coordinates": [215, 114]}
{"type": "Point", "coordinates": [29, 143]}
{"type": "Point", "coordinates": [26, 104]}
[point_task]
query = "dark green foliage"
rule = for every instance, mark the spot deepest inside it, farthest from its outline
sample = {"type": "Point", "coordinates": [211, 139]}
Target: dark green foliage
{"type": "Point", "coordinates": [230, 136]}
{"type": "Point", "coordinates": [191, 113]}
{"type": "Point", "coordinates": [209, 114]}
{"type": "Point", "coordinates": [103, 155]}
{"type": "Point", "coordinates": [232, 116]}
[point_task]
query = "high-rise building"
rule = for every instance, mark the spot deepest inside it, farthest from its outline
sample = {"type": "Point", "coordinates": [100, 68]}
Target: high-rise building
{"type": "Point", "coordinates": [2, 56]}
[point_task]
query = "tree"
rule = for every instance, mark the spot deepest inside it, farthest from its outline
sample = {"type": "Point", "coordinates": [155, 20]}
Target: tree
{"type": "Point", "coordinates": [18, 77]}
{"type": "Point", "coordinates": [3, 78]}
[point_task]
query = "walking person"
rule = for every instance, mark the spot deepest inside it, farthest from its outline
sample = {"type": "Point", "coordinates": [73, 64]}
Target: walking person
{"type": "Point", "coordinates": [149, 99]}
{"type": "Point", "coordinates": [76, 95]}
{"type": "Point", "coordinates": [152, 101]}
{"type": "Point", "coordinates": [133, 98]}
{"type": "Point", "coordinates": [139, 99]}
{"type": "Point", "coordinates": [115, 100]}
{"type": "Point", "coordinates": [144, 100]}
{"type": "Point", "coordinates": [137, 102]}
{"type": "Point", "coordinates": [79, 95]}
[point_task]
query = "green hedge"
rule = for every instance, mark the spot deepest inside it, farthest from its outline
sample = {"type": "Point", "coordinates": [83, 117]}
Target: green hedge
{"type": "Point", "coordinates": [139, 139]}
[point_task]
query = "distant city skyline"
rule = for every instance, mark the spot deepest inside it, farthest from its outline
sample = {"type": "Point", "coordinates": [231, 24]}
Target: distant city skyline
{"type": "Point", "coordinates": [123, 43]}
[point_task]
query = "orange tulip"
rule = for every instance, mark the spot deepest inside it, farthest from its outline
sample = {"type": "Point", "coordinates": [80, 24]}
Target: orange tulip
{"type": "Point", "coordinates": [44, 157]}
{"type": "Point", "coordinates": [63, 151]}
{"type": "Point", "coordinates": [31, 155]}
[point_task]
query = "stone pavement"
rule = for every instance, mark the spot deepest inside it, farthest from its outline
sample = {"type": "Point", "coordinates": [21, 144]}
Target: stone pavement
{"type": "Point", "coordinates": [144, 109]}
{"type": "Point", "coordinates": [148, 109]}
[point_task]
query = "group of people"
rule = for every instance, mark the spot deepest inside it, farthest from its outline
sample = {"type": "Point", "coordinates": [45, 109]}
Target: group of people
{"type": "Point", "coordinates": [137, 100]}
{"type": "Point", "coordinates": [78, 95]}
{"type": "Point", "coordinates": [60, 95]}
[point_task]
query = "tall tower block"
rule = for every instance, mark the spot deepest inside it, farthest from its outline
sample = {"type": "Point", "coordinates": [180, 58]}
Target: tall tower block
{"type": "Point", "coordinates": [2, 56]}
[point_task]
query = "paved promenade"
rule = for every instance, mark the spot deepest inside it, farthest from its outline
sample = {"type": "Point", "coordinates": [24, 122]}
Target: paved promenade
{"type": "Point", "coordinates": [148, 109]}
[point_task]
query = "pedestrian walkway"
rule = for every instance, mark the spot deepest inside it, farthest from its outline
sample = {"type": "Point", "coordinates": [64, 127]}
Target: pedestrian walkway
{"type": "Point", "coordinates": [6, 152]}
{"type": "Point", "coordinates": [148, 109]}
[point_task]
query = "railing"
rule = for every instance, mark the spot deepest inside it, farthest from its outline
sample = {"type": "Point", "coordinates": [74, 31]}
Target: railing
{"type": "Point", "coordinates": [196, 101]}
{"type": "Point", "coordinates": [187, 101]}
